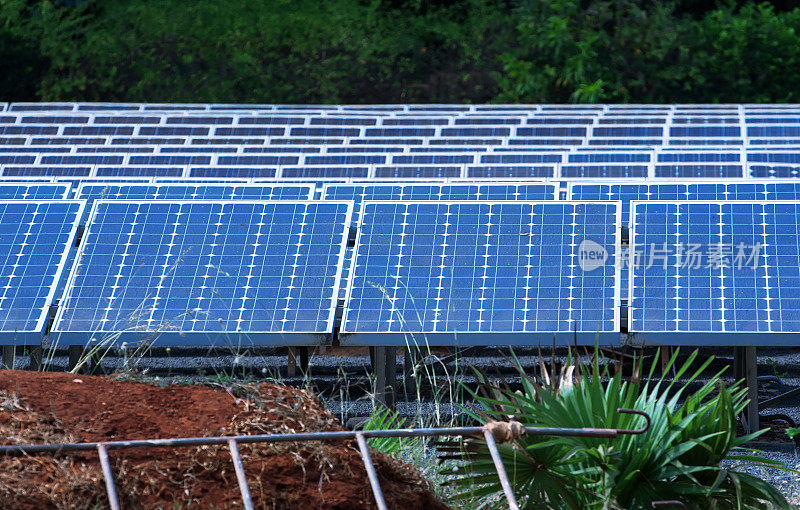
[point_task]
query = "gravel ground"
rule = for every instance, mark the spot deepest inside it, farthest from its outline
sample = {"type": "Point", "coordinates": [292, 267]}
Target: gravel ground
{"type": "Point", "coordinates": [788, 483]}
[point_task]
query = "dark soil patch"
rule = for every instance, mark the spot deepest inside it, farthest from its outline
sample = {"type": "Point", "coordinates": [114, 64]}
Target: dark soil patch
{"type": "Point", "coordinates": [58, 407]}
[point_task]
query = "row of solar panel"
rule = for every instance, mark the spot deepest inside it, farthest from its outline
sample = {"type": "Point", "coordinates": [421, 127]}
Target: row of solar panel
{"type": "Point", "coordinates": [190, 272]}
{"type": "Point", "coordinates": [733, 133]}
{"type": "Point", "coordinates": [623, 191]}
{"type": "Point", "coordinates": [573, 153]}
{"type": "Point", "coordinates": [189, 107]}
{"type": "Point", "coordinates": [47, 155]}
{"type": "Point", "coordinates": [443, 144]}
{"type": "Point", "coordinates": [401, 119]}
{"type": "Point", "coordinates": [499, 171]}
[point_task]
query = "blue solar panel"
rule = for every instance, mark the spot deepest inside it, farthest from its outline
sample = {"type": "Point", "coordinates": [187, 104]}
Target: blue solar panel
{"type": "Point", "coordinates": [46, 171]}
{"type": "Point", "coordinates": [21, 191]}
{"type": "Point", "coordinates": [774, 157]}
{"type": "Point", "coordinates": [612, 157]}
{"type": "Point", "coordinates": [490, 121]}
{"type": "Point", "coordinates": [258, 160]}
{"type": "Point", "coordinates": [200, 272]}
{"type": "Point", "coordinates": [728, 271]}
{"type": "Point", "coordinates": [86, 159]}
{"type": "Point", "coordinates": [521, 158]}
{"type": "Point", "coordinates": [779, 171]}
{"type": "Point", "coordinates": [345, 160]}
{"type": "Point", "coordinates": [139, 171]}
{"type": "Point", "coordinates": [628, 132]}
{"type": "Point", "coordinates": [98, 131]}
{"type": "Point", "coordinates": [270, 121]}
{"type": "Point", "coordinates": [283, 149]}
{"type": "Point", "coordinates": [35, 239]}
{"type": "Point", "coordinates": [325, 172]}
{"type": "Point", "coordinates": [433, 159]}
{"type": "Point", "coordinates": [233, 172]}
{"type": "Point", "coordinates": [773, 131]}
{"type": "Point", "coordinates": [358, 193]}
{"type": "Point", "coordinates": [174, 131]}
{"type": "Point", "coordinates": [170, 160]}
{"type": "Point", "coordinates": [16, 159]}
{"type": "Point", "coordinates": [698, 157]}
{"type": "Point", "coordinates": [462, 272]}
{"type": "Point", "coordinates": [416, 121]}
{"type": "Point", "coordinates": [699, 170]}
{"type": "Point", "coordinates": [126, 119]}
{"type": "Point", "coordinates": [416, 172]}
{"type": "Point", "coordinates": [600, 170]}
{"type": "Point", "coordinates": [511, 171]}
{"type": "Point", "coordinates": [196, 119]}
{"type": "Point", "coordinates": [706, 131]}
{"type": "Point", "coordinates": [97, 191]}
{"type": "Point", "coordinates": [551, 131]}
{"type": "Point", "coordinates": [249, 131]}
{"type": "Point", "coordinates": [343, 121]}
{"type": "Point", "coordinates": [478, 131]}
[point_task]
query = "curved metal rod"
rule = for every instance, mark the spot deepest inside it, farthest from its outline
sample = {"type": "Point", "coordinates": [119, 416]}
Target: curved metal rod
{"type": "Point", "coordinates": [643, 414]}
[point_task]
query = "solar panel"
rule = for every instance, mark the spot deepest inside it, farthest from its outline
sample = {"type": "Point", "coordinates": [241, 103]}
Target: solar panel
{"type": "Point", "coordinates": [207, 272]}
{"type": "Point", "coordinates": [403, 191]}
{"type": "Point", "coordinates": [193, 191]}
{"type": "Point", "coordinates": [46, 171]}
{"type": "Point", "coordinates": [416, 172]}
{"type": "Point", "coordinates": [21, 191]}
{"type": "Point", "coordinates": [699, 170]}
{"type": "Point", "coordinates": [511, 171]}
{"type": "Point", "coordinates": [603, 170]}
{"type": "Point", "coordinates": [35, 239]}
{"type": "Point", "coordinates": [246, 172]}
{"type": "Point", "coordinates": [726, 272]}
{"type": "Point", "coordinates": [447, 273]}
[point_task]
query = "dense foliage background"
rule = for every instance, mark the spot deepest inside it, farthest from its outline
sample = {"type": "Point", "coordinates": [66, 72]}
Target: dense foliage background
{"type": "Point", "coordinates": [379, 51]}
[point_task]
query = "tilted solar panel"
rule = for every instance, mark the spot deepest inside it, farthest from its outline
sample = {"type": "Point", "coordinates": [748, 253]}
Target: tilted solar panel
{"type": "Point", "coordinates": [21, 191]}
{"type": "Point", "coordinates": [403, 191]}
{"type": "Point", "coordinates": [35, 239]}
{"type": "Point", "coordinates": [207, 272]}
{"type": "Point", "coordinates": [185, 191]}
{"type": "Point", "coordinates": [725, 271]}
{"type": "Point", "coordinates": [447, 273]}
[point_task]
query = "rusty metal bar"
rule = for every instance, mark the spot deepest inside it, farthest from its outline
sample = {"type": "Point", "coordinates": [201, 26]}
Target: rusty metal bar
{"type": "Point", "coordinates": [501, 470]}
{"type": "Point", "coordinates": [111, 489]}
{"type": "Point", "coordinates": [371, 474]}
{"type": "Point", "coordinates": [247, 501]}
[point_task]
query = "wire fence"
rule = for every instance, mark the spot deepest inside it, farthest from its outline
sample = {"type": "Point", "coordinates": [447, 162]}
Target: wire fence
{"type": "Point", "coordinates": [493, 433]}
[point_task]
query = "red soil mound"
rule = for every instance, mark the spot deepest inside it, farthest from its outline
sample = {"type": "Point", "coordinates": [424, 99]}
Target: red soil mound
{"type": "Point", "coordinates": [57, 407]}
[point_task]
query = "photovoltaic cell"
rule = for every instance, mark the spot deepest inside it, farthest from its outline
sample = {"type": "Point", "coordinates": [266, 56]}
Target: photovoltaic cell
{"type": "Point", "coordinates": [35, 238]}
{"type": "Point", "coordinates": [207, 272]}
{"type": "Point", "coordinates": [745, 282]}
{"type": "Point", "coordinates": [481, 272]}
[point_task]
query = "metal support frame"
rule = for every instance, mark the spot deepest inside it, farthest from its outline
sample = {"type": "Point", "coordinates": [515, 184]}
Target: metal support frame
{"type": "Point", "coordinates": [746, 367]}
{"type": "Point", "coordinates": [9, 352]}
{"type": "Point", "coordinates": [36, 357]}
{"type": "Point", "coordinates": [75, 352]}
{"type": "Point", "coordinates": [385, 370]}
{"type": "Point", "coordinates": [411, 358]}
{"type": "Point", "coordinates": [360, 437]}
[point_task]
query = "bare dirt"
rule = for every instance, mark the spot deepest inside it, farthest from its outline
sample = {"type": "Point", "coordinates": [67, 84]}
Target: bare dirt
{"type": "Point", "coordinates": [58, 407]}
